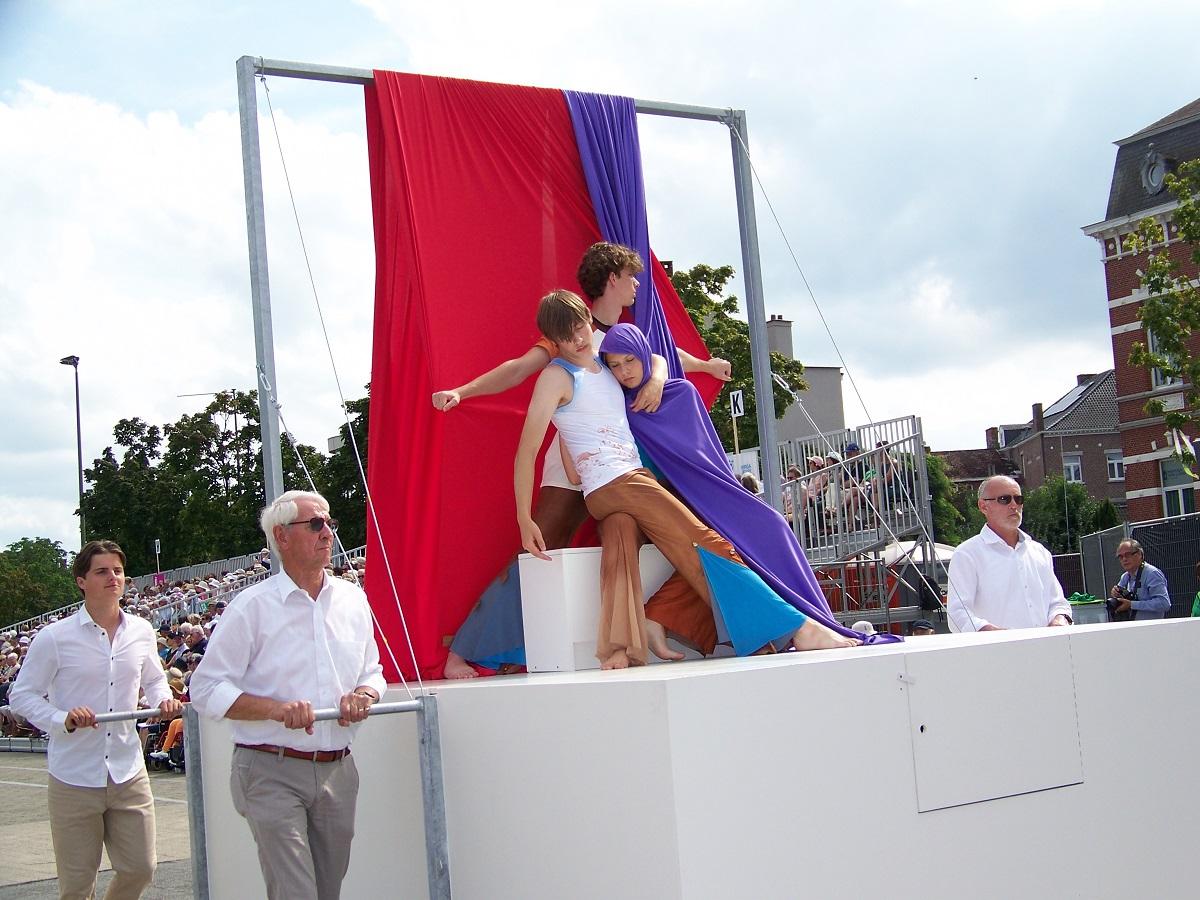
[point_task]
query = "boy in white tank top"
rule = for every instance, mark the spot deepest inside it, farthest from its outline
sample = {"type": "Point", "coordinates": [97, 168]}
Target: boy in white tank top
{"type": "Point", "coordinates": [587, 405]}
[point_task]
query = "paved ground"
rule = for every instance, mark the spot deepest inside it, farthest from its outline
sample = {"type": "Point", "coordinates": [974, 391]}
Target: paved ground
{"type": "Point", "coordinates": [26, 855]}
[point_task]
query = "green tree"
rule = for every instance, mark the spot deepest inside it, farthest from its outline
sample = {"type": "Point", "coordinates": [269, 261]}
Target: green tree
{"type": "Point", "coordinates": [200, 494]}
{"type": "Point", "coordinates": [34, 578]}
{"type": "Point", "coordinates": [1172, 309]}
{"type": "Point", "coordinates": [342, 484]}
{"type": "Point", "coordinates": [1059, 513]}
{"type": "Point", "coordinates": [948, 522]}
{"type": "Point", "coordinates": [702, 290]}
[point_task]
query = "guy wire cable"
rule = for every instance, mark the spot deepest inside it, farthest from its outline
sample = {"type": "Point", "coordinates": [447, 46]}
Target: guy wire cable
{"type": "Point", "coordinates": [337, 381]}
{"type": "Point", "coordinates": [837, 349]}
{"type": "Point", "coordinates": [307, 474]}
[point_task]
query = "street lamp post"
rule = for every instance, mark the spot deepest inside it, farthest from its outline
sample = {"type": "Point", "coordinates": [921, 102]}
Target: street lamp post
{"type": "Point", "coordinates": [73, 362]}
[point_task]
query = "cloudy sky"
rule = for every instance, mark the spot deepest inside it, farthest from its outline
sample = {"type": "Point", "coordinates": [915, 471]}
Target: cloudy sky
{"type": "Point", "coordinates": [931, 163]}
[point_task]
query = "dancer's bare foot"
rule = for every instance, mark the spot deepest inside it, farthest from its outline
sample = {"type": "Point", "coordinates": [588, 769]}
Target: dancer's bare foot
{"type": "Point", "coordinates": [656, 637]}
{"type": "Point", "coordinates": [618, 660]}
{"type": "Point", "coordinates": [815, 636]}
{"type": "Point", "coordinates": [457, 667]}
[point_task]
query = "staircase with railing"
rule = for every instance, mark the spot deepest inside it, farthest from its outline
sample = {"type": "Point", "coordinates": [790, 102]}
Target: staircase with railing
{"type": "Point", "coordinates": [864, 518]}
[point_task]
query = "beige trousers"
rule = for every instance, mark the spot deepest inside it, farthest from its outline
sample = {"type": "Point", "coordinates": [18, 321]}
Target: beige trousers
{"type": "Point", "coordinates": [121, 818]}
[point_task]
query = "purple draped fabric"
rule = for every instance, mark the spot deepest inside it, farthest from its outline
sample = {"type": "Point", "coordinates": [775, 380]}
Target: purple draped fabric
{"type": "Point", "coordinates": [682, 443]}
{"type": "Point", "coordinates": [607, 136]}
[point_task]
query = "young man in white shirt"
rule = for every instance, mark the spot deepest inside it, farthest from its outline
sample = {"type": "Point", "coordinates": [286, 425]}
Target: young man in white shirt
{"type": "Point", "coordinates": [96, 660]}
{"type": "Point", "coordinates": [1003, 578]}
{"type": "Point", "coordinates": [297, 640]}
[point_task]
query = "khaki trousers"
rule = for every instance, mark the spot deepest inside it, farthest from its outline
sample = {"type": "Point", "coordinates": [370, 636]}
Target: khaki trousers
{"type": "Point", "coordinates": [301, 814]}
{"type": "Point", "coordinates": [683, 605]}
{"type": "Point", "coordinates": [118, 816]}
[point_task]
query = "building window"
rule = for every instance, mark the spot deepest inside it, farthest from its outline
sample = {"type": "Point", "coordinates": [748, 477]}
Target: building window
{"type": "Point", "coordinates": [1073, 466]}
{"type": "Point", "coordinates": [1179, 497]}
{"type": "Point", "coordinates": [1116, 465]}
{"type": "Point", "coordinates": [1158, 378]}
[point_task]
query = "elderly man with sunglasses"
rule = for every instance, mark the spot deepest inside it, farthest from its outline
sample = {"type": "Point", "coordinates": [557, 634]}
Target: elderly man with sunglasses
{"type": "Point", "coordinates": [298, 640]}
{"type": "Point", "coordinates": [1003, 578]}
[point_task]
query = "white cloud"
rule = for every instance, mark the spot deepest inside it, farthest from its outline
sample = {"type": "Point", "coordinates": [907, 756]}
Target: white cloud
{"type": "Point", "coordinates": [128, 248]}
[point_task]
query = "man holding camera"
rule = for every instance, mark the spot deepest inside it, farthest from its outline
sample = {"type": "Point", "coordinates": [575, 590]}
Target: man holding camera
{"type": "Point", "coordinates": [1142, 591]}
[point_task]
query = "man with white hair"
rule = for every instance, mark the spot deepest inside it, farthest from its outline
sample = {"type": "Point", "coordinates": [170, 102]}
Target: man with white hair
{"type": "Point", "coordinates": [1003, 578]}
{"type": "Point", "coordinates": [297, 640]}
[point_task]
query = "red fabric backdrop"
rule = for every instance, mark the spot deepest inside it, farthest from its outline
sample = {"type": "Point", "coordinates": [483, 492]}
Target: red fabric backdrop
{"type": "Point", "coordinates": [480, 209]}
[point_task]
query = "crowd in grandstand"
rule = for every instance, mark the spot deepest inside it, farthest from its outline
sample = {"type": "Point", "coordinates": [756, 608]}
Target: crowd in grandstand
{"type": "Point", "coordinates": [184, 613]}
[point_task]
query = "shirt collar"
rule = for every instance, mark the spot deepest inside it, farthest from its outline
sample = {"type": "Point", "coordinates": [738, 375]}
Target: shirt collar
{"type": "Point", "coordinates": [287, 587]}
{"type": "Point", "coordinates": [992, 537]}
{"type": "Point", "coordinates": [85, 618]}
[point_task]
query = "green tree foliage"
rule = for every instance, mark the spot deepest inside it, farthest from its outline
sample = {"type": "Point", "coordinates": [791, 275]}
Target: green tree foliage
{"type": "Point", "coordinates": [948, 521]}
{"type": "Point", "coordinates": [34, 578]}
{"type": "Point", "coordinates": [966, 500]}
{"type": "Point", "coordinates": [1059, 513]}
{"type": "Point", "coordinates": [196, 485]}
{"type": "Point", "coordinates": [342, 485]}
{"type": "Point", "coordinates": [1172, 309]}
{"type": "Point", "coordinates": [702, 290]}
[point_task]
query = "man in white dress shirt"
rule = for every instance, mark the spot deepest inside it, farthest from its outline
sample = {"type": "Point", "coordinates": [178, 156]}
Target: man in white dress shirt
{"type": "Point", "coordinates": [96, 660]}
{"type": "Point", "coordinates": [1003, 578]}
{"type": "Point", "coordinates": [297, 640]}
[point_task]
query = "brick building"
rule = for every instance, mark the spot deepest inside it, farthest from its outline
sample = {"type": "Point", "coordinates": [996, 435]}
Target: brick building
{"type": "Point", "coordinates": [1076, 436]}
{"type": "Point", "coordinates": [1155, 484]}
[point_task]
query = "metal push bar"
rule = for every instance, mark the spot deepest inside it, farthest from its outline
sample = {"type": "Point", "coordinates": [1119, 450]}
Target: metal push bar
{"type": "Point", "coordinates": [437, 857]}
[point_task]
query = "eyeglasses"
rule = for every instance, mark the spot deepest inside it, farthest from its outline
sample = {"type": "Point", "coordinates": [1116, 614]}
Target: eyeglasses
{"type": "Point", "coordinates": [1005, 499]}
{"type": "Point", "coordinates": [316, 523]}
{"type": "Point", "coordinates": [1128, 553]}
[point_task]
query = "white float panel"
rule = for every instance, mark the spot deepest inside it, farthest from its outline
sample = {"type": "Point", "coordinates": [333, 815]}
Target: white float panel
{"type": "Point", "coordinates": [560, 604]}
{"type": "Point", "coordinates": [1009, 728]}
{"type": "Point", "coordinates": [789, 776]}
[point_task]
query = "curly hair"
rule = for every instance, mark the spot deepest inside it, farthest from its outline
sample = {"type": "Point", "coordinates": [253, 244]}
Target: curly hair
{"type": "Point", "coordinates": [601, 260]}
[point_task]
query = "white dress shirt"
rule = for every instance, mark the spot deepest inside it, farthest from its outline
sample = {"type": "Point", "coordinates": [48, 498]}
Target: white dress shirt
{"type": "Point", "coordinates": [992, 583]}
{"type": "Point", "coordinates": [275, 641]}
{"type": "Point", "coordinates": [73, 663]}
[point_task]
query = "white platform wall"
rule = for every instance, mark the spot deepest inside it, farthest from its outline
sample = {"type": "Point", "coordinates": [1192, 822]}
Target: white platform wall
{"type": "Point", "coordinates": [801, 775]}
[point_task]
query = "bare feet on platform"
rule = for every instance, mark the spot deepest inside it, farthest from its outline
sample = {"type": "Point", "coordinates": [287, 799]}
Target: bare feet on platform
{"type": "Point", "coordinates": [618, 660]}
{"type": "Point", "coordinates": [815, 636]}
{"type": "Point", "coordinates": [457, 667]}
{"type": "Point", "coordinates": [656, 637]}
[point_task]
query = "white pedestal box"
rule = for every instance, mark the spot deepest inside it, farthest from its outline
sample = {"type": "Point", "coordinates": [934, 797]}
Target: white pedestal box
{"type": "Point", "coordinates": [560, 601]}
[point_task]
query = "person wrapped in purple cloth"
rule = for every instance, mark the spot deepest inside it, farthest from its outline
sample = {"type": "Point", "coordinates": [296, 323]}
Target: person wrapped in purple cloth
{"type": "Point", "coordinates": [681, 445]}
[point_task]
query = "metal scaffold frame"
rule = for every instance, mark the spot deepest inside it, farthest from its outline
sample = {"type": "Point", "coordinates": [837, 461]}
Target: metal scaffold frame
{"type": "Point", "coordinates": [248, 67]}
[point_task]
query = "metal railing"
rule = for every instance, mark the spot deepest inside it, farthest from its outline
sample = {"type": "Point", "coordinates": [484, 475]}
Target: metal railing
{"type": "Point", "coordinates": [845, 509]}
{"type": "Point", "coordinates": [226, 591]}
{"type": "Point", "coordinates": [432, 790]}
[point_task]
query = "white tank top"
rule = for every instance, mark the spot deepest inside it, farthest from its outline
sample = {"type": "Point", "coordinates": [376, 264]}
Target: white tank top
{"type": "Point", "coordinates": [553, 472]}
{"type": "Point", "coordinates": [594, 428]}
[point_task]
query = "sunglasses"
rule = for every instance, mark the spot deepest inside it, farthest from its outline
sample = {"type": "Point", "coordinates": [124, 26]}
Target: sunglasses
{"type": "Point", "coordinates": [1005, 499]}
{"type": "Point", "coordinates": [1127, 554]}
{"type": "Point", "coordinates": [316, 523]}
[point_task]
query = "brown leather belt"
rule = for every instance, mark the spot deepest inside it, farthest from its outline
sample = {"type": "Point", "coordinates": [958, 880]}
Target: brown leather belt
{"type": "Point", "coordinates": [311, 755]}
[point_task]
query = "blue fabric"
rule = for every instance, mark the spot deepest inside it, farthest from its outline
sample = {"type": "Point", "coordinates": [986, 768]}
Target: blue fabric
{"type": "Point", "coordinates": [494, 632]}
{"type": "Point", "coordinates": [607, 135]}
{"type": "Point", "coordinates": [753, 614]}
{"type": "Point", "coordinates": [681, 440]}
